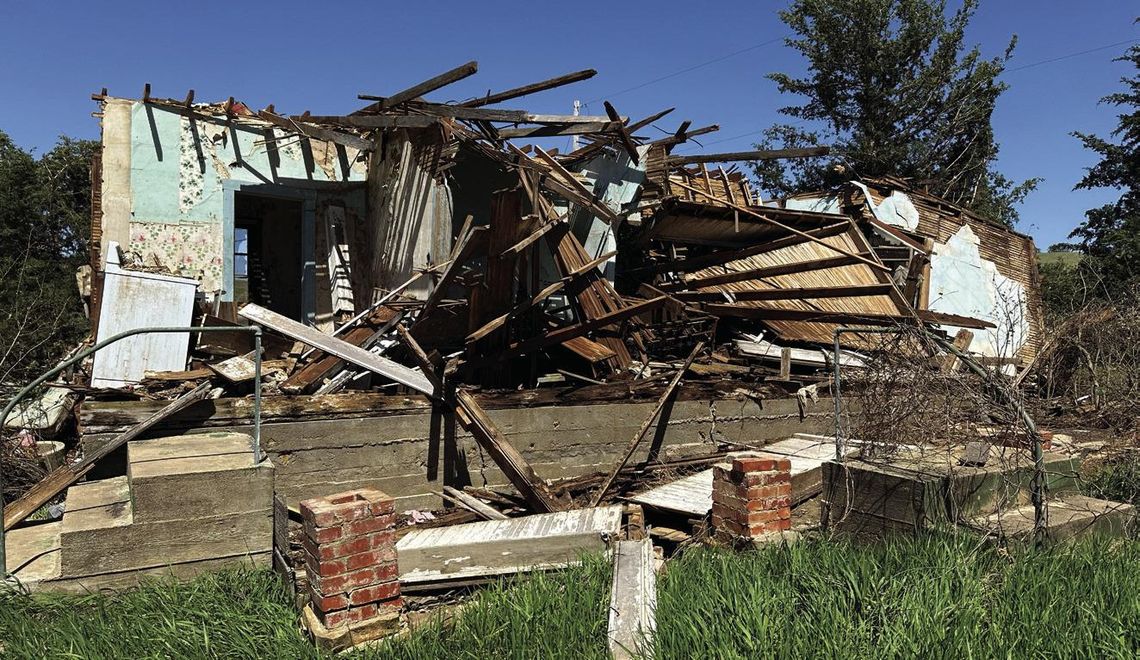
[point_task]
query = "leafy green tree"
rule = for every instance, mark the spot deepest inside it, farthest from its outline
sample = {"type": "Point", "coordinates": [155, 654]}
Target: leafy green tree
{"type": "Point", "coordinates": [45, 208]}
{"type": "Point", "coordinates": [892, 86]}
{"type": "Point", "coordinates": [1110, 234]}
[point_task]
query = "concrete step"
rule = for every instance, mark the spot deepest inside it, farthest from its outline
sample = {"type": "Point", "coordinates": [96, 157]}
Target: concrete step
{"type": "Point", "coordinates": [32, 553]}
{"type": "Point", "coordinates": [1068, 516]}
{"type": "Point", "coordinates": [96, 505]}
{"type": "Point", "coordinates": [191, 476]}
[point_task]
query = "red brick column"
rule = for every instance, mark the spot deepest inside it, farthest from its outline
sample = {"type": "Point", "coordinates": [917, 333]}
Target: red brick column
{"type": "Point", "coordinates": [350, 555]}
{"type": "Point", "coordinates": [752, 498]}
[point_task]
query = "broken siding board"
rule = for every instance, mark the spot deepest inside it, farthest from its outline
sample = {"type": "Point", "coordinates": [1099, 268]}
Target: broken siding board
{"type": "Point", "coordinates": [494, 548]}
{"type": "Point", "coordinates": [342, 349]}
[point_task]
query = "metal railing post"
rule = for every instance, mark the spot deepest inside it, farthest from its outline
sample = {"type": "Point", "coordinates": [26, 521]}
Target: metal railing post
{"type": "Point", "coordinates": [78, 357]}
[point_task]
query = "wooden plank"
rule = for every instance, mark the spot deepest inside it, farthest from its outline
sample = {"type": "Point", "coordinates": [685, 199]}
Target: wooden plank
{"type": "Point", "coordinates": [661, 403]}
{"type": "Point", "coordinates": [237, 369]}
{"type": "Point", "coordinates": [490, 549]}
{"type": "Point", "coordinates": [517, 470]}
{"type": "Point", "coordinates": [62, 477]}
{"type": "Point", "coordinates": [794, 293]}
{"type": "Point", "coordinates": [562, 334]}
{"type": "Point", "coordinates": [502, 115]}
{"type": "Point", "coordinates": [785, 363]}
{"type": "Point", "coordinates": [749, 155]}
{"type": "Point", "coordinates": [591, 150]}
{"type": "Point", "coordinates": [342, 349]}
{"type": "Point", "coordinates": [538, 298]}
{"type": "Point", "coordinates": [623, 133]}
{"type": "Point", "coordinates": [674, 140]}
{"type": "Point", "coordinates": [821, 316]}
{"type": "Point", "coordinates": [370, 121]}
{"type": "Point", "coordinates": [962, 341]}
{"type": "Point", "coordinates": [430, 85]}
{"type": "Point", "coordinates": [724, 256]}
{"type": "Point", "coordinates": [526, 90]}
{"type": "Point", "coordinates": [791, 230]}
{"type": "Point", "coordinates": [588, 350]}
{"type": "Point", "coordinates": [325, 366]}
{"type": "Point", "coordinates": [472, 504]}
{"type": "Point", "coordinates": [420, 357]}
{"type": "Point", "coordinates": [768, 271]}
{"type": "Point", "coordinates": [336, 137]}
{"type": "Point", "coordinates": [554, 130]}
{"type": "Point", "coordinates": [633, 600]}
{"type": "Point", "coordinates": [469, 244]}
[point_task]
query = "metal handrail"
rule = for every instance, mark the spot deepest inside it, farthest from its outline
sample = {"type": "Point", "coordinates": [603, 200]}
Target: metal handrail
{"type": "Point", "coordinates": [256, 444]}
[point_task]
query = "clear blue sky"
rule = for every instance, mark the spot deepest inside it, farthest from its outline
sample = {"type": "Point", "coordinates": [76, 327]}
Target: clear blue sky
{"type": "Point", "coordinates": [314, 56]}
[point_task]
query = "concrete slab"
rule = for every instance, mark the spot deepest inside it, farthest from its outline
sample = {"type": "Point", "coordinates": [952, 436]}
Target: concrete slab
{"type": "Point", "coordinates": [1068, 517]}
{"type": "Point", "coordinates": [492, 548]}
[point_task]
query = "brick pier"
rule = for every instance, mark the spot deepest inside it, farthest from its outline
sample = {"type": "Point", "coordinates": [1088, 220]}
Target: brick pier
{"type": "Point", "coordinates": [752, 499]}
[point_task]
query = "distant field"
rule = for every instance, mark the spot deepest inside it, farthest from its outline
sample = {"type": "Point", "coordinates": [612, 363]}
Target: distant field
{"type": "Point", "coordinates": [1069, 259]}
{"type": "Point", "coordinates": [935, 597]}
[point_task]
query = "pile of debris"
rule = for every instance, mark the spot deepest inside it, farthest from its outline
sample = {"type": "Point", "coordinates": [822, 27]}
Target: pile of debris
{"type": "Point", "coordinates": [413, 249]}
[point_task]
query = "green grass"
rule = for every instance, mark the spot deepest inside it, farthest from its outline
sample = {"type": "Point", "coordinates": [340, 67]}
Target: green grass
{"type": "Point", "coordinates": [934, 597]}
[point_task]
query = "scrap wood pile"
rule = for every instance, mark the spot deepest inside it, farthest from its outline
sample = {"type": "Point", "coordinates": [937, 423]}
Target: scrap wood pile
{"type": "Point", "coordinates": [617, 263]}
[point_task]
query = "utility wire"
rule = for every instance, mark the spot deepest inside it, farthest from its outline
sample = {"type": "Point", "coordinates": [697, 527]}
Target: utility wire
{"type": "Point", "coordinates": [688, 69]}
{"type": "Point", "coordinates": [1010, 70]}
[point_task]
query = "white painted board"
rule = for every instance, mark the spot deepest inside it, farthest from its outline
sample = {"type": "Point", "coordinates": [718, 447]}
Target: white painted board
{"type": "Point", "coordinates": [133, 300]}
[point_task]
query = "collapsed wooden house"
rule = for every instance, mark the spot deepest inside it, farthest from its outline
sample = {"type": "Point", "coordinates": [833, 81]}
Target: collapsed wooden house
{"type": "Point", "coordinates": [450, 304]}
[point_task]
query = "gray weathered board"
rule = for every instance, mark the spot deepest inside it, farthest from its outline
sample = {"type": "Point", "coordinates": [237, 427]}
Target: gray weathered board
{"type": "Point", "coordinates": [342, 349]}
{"type": "Point", "coordinates": [492, 548]}
{"type": "Point", "coordinates": [692, 495]}
{"type": "Point", "coordinates": [633, 599]}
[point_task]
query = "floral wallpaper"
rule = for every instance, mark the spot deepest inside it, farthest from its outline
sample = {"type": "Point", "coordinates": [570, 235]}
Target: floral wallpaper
{"type": "Point", "coordinates": [189, 250]}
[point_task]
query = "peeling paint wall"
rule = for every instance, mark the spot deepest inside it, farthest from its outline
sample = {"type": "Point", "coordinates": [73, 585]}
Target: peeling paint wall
{"type": "Point", "coordinates": [962, 282]}
{"type": "Point", "coordinates": [171, 185]}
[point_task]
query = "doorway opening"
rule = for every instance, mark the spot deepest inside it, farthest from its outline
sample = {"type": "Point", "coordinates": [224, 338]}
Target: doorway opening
{"type": "Point", "coordinates": [268, 263]}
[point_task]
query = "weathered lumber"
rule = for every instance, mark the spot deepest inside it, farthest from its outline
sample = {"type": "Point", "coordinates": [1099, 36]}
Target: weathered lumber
{"type": "Point", "coordinates": [769, 271]}
{"type": "Point", "coordinates": [633, 600]}
{"type": "Point", "coordinates": [472, 504]}
{"type": "Point", "coordinates": [521, 475]}
{"type": "Point", "coordinates": [661, 403]}
{"type": "Point", "coordinates": [823, 316]}
{"type": "Point", "coordinates": [325, 366]}
{"type": "Point", "coordinates": [749, 155]}
{"type": "Point", "coordinates": [681, 137]}
{"type": "Point", "coordinates": [532, 88]}
{"type": "Point", "coordinates": [470, 242]}
{"type": "Point", "coordinates": [339, 348]}
{"type": "Point", "coordinates": [555, 130]}
{"type": "Point", "coordinates": [595, 148]}
{"type": "Point", "coordinates": [623, 133]}
{"type": "Point", "coordinates": [64, 476]}
{"type": "Point", "coordinates": [430, 85]}
{"type": "Point", "coordinates": [336, 137]}
{"type": "Point", "coordinates": [562, 334]}
{"type": "Point", "coordinates": [794, 293]}
{"type": "Point", "coordinates": [420, 357]}
{"type": "Point", "coordinates": [370, 121]}
{"type": "Point", "coordinates": [719, 257]}
{"type": "Point", "coordinates": [537, 299]}
{"type": "Point", "coordinates": [791, 230]}
{"type": "Point", "coordinates": [474, 552]}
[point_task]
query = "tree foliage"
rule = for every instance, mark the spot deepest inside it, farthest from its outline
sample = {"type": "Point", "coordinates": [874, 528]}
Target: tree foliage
{"type": "Point", "coordinates": [45, 207]}
{"type": "Point", "coordinates": [1110, 234]}
{"type": "Point", "coordinates": [892, 86]}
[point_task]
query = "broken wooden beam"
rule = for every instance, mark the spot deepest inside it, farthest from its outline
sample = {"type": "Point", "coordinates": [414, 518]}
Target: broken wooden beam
{"type": "Point", "coordinates": [793, 293]}
{"type": "Point", "coordinates": [562, 334]}
{"type": "Point", "coordinates": [516, 468]}
{"type": "Point", "coordinates": [555, 130]}
{"type": "Point", "coordinates": [763, 154]}
{"type": "Point", "coordinates": [473, 553]}
{"type": "Point", "coordinates": [623, 133]}
{"type": "Point", "coordinates": [62, 477]}
{"type": "Point", "coordinates": [342, 349]}
{"type": "Point", "coordinates": [641, 431]}
{"type": "Point", "coordinates": [371, 121]}
{"type": "Point", "coordinates": [532, 88]}
{"type": "Point", "coordinates": [317, 132]}
{"type": "Point", "coordinates": [472, 504]}
{"type": "Point", "coordinates": [633, 600]}
{"type": "Point", "coordinates": [430, 85]}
